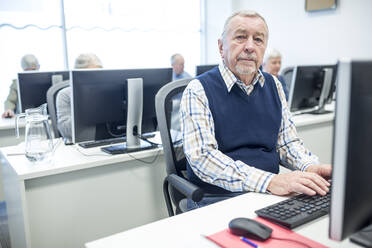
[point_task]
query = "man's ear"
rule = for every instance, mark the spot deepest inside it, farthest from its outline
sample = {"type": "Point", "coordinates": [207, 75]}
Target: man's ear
{"type": "Point", "coordinates": [220, 47]}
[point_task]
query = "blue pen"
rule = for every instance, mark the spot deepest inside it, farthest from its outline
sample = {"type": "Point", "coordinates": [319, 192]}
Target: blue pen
{"type": "Point", "coordinates": [249, 242]}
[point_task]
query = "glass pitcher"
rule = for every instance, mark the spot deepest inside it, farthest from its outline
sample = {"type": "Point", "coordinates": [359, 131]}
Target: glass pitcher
{"type": "Point", "coordinates": [38, 138]}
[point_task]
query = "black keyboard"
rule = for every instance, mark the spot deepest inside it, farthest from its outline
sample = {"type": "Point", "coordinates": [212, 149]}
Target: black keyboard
{"type": "Point", "coordinates": [297, 210]}
{"type": "Point", "coordinates": [97, 143]}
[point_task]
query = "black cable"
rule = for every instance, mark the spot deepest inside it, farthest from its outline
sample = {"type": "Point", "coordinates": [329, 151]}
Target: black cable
{"type": "Point", "coordinates": [291, 240]}
{"type": "Point", "coordinates": [147, 140]}
{"type": "Point", "coordinates": [146, 162]}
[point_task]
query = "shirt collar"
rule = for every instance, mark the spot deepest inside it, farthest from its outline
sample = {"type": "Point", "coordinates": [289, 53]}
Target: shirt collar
{"type": "Point", "coordinates": [230, 79]}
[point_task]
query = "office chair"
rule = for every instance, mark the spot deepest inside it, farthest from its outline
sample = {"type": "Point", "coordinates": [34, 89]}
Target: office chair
{"type": "Point", "coordinates": [287, 74]}
{"type": "Point", "coordinates": [176, 187]}
{"type": "Point", "coordinates": [51, 102]}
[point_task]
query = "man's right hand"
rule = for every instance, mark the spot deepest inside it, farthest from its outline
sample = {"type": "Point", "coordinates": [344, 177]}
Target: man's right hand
{"type": "Point", "coordinates": [8, 114]}
{"type": "Point", "coordinates": [308, 183]}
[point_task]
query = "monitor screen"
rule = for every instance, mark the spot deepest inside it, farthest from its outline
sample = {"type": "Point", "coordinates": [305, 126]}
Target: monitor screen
{"type": "Point", "coordinates": [351, 198]}
{"type": "Point", "coordinates": [33, 86]}
{"type": "Point", "coordinates": [200, 69]}
{"type": "Point", "coordinates": [308, 82]}
{"type": "Point", "coordinates": [99, 101]}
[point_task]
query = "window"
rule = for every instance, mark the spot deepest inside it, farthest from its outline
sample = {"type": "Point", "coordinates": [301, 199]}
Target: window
{"type": "Point", "coordinates": [122, 33]}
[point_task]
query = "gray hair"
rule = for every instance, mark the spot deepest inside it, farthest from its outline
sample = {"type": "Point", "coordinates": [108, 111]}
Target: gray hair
{"type": "Point", "coordinates": [87, 60]}
{"type": "Point", "coordinates": [174, 57]}
{"type": "Point", "coordinates": [243, 13]}
{"type": "Point", "coordinates": [271, 54]}
{"type": "Point", "coordinates": [30, 62]}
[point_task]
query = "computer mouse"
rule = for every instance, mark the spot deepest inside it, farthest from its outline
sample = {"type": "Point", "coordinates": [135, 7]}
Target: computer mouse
{"type": "Point", "coordinates": [250, 229]}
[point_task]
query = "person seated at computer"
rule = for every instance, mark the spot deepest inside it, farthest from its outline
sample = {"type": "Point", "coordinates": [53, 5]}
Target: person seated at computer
{"type": "Point", "coordinates": [63, 100]}
{"type": "Point", "coordinates": [29, 63]}
{"type": "Point", "coordinates": [271, 64]}
{"type": "Point", "coordinates": [236, 124]}
{"type": "Point", "coordinates": [178, 65]}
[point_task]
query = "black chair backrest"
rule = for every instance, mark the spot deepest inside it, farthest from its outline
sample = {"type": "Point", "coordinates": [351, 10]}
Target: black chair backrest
{"type": "Point", "coordinates": [167, 103]}
{"type": "Point", "coordinates": [51, 101]}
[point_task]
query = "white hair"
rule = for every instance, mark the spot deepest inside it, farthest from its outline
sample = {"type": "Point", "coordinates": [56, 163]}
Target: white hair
{"type": "Point", "coordinates": [271, 54]}
{"type": "Point", "coordinates": [243, 13]}
{"type": "Point", "coordinates": [174, 57]}
{"type": "Point", "coordinates": [86, 60]}
{"type": "Point", "coordinates": [30, 62]}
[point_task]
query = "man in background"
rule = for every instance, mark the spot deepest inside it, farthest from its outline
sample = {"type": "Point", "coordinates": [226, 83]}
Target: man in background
{"type": "Point", "coordinates": [63, 101]}
{"type": "Point", "coordinates": [29, 63]}
{"type": "Point", "coordinates": [178, 64]}
{"type": "Point", "coordinates": [272, 63]}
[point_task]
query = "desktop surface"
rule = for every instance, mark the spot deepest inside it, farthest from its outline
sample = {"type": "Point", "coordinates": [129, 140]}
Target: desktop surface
{"type": "Point", "coordinates": [172, 232]}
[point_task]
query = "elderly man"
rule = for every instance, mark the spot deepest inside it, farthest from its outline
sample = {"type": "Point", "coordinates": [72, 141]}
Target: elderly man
{"type": "Point", "coordinates": [236, 124]}
{"type": "Point", "coordinates": [63, 101]}
{"type": "Point", "coordinates": [178, 65]}
{"type": "Point", "coordinates": [272, 63]}
{"type": "Point", "coordinates": [29, 63]}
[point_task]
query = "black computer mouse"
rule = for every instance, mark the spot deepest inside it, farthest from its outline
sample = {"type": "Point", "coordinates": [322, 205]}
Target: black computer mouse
{"type": "Point", "coordinates": [250, 229]}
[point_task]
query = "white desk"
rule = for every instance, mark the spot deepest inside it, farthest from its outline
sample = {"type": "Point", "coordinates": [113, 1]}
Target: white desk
{"type": "Point", "coordinates": [79, 198]}
{"type": "Point", "coordinates": [7, 132]}
{"type": "Point", "coordinates": [185, 230]}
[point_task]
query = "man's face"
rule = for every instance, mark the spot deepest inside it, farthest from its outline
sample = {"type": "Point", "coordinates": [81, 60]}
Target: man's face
{"type": "Point", "coordinates": [273, 66]}
{"type": "Point", "coordinates": [244, 45]}
{"type": "Point", "coordinates": [178, 65]}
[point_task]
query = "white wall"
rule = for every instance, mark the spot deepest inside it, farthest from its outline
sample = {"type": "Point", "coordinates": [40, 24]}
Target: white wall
{"type": "Point", "coordinates": [304, 37]}
{"type": "Point", "coordinates": [216, 12]}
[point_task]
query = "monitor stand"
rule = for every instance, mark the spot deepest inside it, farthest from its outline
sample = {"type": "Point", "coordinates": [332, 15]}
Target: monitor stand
{"type": "Point", "coordinates": [327, 79]}
{"type": "Point", "coordinates": [363, 237]}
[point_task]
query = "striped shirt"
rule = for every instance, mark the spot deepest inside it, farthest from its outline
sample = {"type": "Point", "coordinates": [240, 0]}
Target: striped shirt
{"type": "Point", "coordinates": [214, 167]}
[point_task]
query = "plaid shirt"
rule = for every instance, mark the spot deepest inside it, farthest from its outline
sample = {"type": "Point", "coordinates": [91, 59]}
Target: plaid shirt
{"type": "Point", "coordinates": [214, 167]}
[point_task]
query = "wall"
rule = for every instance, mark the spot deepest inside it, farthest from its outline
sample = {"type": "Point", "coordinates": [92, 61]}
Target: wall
{"type": "Point", "coordinates": [216, 12]}
{"type": "Point", "coordinates": [303, 37]}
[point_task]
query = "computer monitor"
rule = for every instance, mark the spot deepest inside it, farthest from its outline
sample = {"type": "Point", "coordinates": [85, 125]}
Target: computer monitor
{"type": "Point", "coordinates": [33, 86]}
{"type": "Point", "coordinates": [99, 101]}
{"type": "Point", "coordinates": [351, 198]}
{"type": "Point", "coordinates": [311, 88]}
{"type": "Point", "coordinates": [200, 69]}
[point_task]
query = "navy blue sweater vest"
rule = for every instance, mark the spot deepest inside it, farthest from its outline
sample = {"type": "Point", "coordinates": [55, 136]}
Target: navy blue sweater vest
{"type": "Point", "coordinates": [246, 127]}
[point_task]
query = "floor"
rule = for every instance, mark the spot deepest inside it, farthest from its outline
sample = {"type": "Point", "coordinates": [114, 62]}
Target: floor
{"type": "Point", "coordinates": [4, 231]}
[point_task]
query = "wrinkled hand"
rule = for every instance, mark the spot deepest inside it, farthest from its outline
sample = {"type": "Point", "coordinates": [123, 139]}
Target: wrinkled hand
{"type": "Point", "coordinates": [8, 114]}
{"type": "Point", "coordinates": [323, 170]}
{"type": "Point", "coordinates": [308, 183]}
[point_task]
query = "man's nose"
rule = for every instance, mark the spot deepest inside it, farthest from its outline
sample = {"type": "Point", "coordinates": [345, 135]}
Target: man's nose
{"type": "Point", "coordinates": [249, 45]}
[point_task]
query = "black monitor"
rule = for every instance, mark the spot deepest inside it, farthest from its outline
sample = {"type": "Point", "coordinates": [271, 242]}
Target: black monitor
{"type": "Point", "coordinates": [311, 87]}
{"type": "Point", "coordinates": [351, 198]}
{"type": "Point", "coordinates": [99, 101]}
{"type": "Point", "coordinates": [33, 86]}
{"type": "Point", "coordinates": [200, 69]}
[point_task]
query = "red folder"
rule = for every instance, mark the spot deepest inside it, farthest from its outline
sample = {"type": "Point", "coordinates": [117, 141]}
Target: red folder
{"type": "Point", "coordinates": [292, 240]}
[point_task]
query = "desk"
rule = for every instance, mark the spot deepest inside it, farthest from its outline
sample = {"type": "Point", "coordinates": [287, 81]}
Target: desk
{"type": "Point", "coordinates": [7, 132]}
{"type": "Point", "coordinates": [185, 230]}
{"type": "Point", "coordinates": [77, 198]}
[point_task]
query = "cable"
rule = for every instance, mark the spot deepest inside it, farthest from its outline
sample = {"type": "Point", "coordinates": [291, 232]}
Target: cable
{"type": "Point", "coordinates": [108, 128]}
{"type": "Point", "coordinates": [147, 140]}
{"type": "Point", "coordinates": [291, 240]}
{"type": "Point", "coordinates": [91, 155]}
{"type": "Point", "coordinates": [146, 162]}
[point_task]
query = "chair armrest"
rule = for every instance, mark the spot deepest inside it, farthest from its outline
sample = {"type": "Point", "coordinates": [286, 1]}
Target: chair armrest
{"type": "Point", "coordinates": [188, 189]}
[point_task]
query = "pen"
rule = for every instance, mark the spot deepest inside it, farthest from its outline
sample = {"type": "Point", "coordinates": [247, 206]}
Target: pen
{"type": "Point", "coordinates": [249, 242]}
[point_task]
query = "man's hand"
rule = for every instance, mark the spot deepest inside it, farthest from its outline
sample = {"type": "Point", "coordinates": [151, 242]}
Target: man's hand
{"type": "Point", "coordinates": [8, 114]}
{"type": "Point", "coordinates": [323, 170]}
{"type": "Point", "coordinates": [309, 183]}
